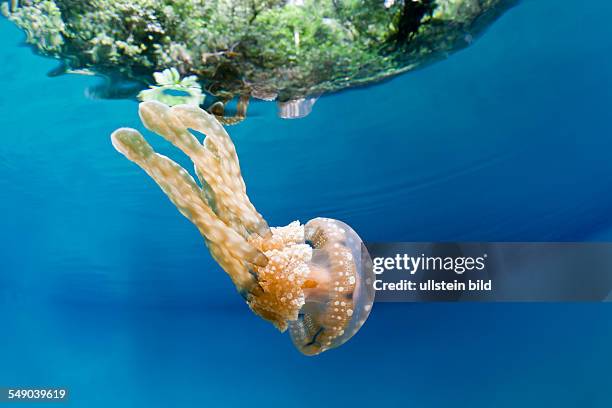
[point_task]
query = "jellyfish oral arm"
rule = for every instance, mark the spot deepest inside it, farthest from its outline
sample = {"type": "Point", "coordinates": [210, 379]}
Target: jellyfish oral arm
{"type": "Point", "coordinates": [225, 244]}
{"type": "Point", "coordinates": [215, 160]}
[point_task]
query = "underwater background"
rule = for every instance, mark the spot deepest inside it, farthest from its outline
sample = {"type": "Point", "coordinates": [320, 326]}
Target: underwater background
{"type": "Point", "coordinates": [106, 290]}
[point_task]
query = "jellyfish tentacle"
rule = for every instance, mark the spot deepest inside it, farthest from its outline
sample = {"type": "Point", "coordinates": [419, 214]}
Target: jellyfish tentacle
{"type": "Point", "coordinates": [220, 144]}
{"type": "Point", "coordinates": [221, 176]}
{"type": "Point", "coordinates": [183, 191]}
{"type": "Point", "coordinates": [210, 198]}
{"type": "Point", "coordinates": [158, 118]}
{"type": "Point", "coordinates": [198, 120]}
{"type": "Point", "coordinates": [207, 194]}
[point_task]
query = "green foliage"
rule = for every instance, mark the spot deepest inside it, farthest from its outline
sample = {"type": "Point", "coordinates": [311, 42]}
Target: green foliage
{"type": "Point", "coordinates": [232, 46]}
{"type": "Point", "coordinates": [42, 22]}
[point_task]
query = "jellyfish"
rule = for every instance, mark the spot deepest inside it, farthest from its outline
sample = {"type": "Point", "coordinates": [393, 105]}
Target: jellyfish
{"type": "Point", "coordinates": [314, 280]}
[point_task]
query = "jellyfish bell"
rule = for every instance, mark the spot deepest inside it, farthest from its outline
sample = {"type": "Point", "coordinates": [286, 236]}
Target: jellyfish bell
{"type": "Point", "coordinates": [315, 280]}
{"type": "Point", "coordinates": [338, 292]}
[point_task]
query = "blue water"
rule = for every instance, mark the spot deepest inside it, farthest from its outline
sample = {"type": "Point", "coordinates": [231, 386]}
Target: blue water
{"type": "Point", "coordinates": [107, 290]}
